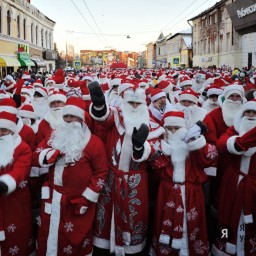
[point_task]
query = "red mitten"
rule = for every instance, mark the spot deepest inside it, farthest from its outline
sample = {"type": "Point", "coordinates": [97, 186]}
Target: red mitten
{"type": "Point", "coordinates": [52, 155]}
{"type": "Point", "coordinates": [81, 205]}
{"type": "Point", "coordinates": [19, 84]}
{"type": "Point", "coordinates": [248, 140]}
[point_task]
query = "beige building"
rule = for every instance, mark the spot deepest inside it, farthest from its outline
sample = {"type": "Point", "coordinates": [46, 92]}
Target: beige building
{"type": "Point", "coordinates": [150, 55]}
{"type": "Point", "coordinates": [215, 42]}
{"type": "Point", "coordinates": [26, 37]}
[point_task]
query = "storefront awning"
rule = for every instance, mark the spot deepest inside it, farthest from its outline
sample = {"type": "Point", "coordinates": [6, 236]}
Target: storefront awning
{"type": "Point", "coordinates": [39, 62]}
{"type": "Point", "coordinates": [9, 61]}
{"type": "Point", "coordinates": [25, 60]}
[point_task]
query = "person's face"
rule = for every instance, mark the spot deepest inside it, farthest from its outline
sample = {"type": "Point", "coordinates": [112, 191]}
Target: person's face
{"type": "Point", "coordinates": [250, 113]}
{"type": "Point", "coordinates": [4, 131]}
{"type": "Point", "coordinates": [71, 118]}
{"type": "Point", "coordinates": [172, 129]}
{"type": "Point", "coordinates": [115, 88]}
{"type": "Point", "coordinates": [161, 102]}
{"type": "Point", "coordinates": [57, 104]}
{"type": "Point", "coordinates": [213, 97]}
{"type": "Point", "coordinates": [134, 104]}
{"type": "Point", "coordinates": [235, 97]}
{"type": "Point", "coordinates": [187, 103]}
{"type": "Point", "coordinates": [185, 87]}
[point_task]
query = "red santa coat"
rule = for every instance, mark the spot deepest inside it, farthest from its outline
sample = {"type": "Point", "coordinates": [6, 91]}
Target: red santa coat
{"type": "Point", "coordinates": [126, 189]}
{"type": "Point", "coordinates": [62, 230]}
{"type": "Point", "coordinates": [237, 209]}
{"type": "Point", "coordinates": [15, 207]}
{"type": "Point", "coordinates": [44, 130]}
{"type": "Point", "coordinates": [180, 210]}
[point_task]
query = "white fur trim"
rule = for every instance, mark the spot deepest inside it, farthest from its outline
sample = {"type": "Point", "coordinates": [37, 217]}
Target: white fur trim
{"type": "Point", "coordinates": [34, 172]}
{"type": "Point", "coordinates": [164, 239]}
{"type": "Point", "coordinates": [43, 170]}
{"type": "Point", "coordinates": [216, 252]}
{"type": "Point", "coordinates": [58, 171]}
{"type": "Point", "coordinates": [86, 97]}
{"type": "Point", "coordinates": [2, 235]}
{"type": "Point", "coordinates": [9, 181]}
{"type": "Point", "coordinates": [158, 96]}
{"type": "Point", "coordinates": [74, 111]}
{"type": "Point", "coordinates": [103, 118]}
{"type": "Point", "coordinates": [176, 243]}
{"type": "Point", "coordinates": [156, 133]}
{"type": "Point", "coordinates": [211, 171]}
{"type": "Point", "coordinates": [248, 219]}
{"type": "Point", "coordinates": [42, 156]}
{"type": "Point", "coordinates": [165, 147]}
{"type": "Point", "coordinates": [233, 88]}
{"type": "Point", "coordinates": [119, 250]}
{"type": "Point", "coordinates": [27, 114]}
{"type": "Point", "coordinates": [101, 243]}
{"type": "Point", "coordinates": [230, 248]}
{"type": "Point", "coordinates": [9, 109]}
{"type": "Point", "coordinates": [20, 125]}
{"type": "Point", "coordinates": [48, 208]}
{"type": "Point", "coordinates": [52, 241]}
{"type": "Point", "coordinates": [90, 195]}
{"type": "Point", "coordinates": [59, 86]}
{"type": "Point", "coordinates": [189, 97]}
{"type": "Point", "coordinates": [197, 144]}
{"type": "Point", "coordinates": [174, 121]}
{"type": "Point", "coordinates": [126, 237]}
{"type": "Point", "coordinates": [231, 146]}
{"type": "Point", "coordinates": [45, 192]}
{"type": "Point", "coordinates": [146, 153]}
{"type": "Point", "coordinates": [186, 82]}
{"type": "Point", "coordinates": [7, 124]}
{"type": "Point", "coordinates": [57, 97]}
{"type": "Point", "coordinates": [83, 209]}
{"type": "Point", "coordinates": [214, 91]}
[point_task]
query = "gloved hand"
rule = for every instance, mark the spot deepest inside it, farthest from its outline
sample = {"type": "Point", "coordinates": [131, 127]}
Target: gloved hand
{"type": "Point", "coordinates": [81, 205]}
{"type": "Point", "coordinates": [195, 131]}
{"type": "Point", "coordinates": [97, 96]}
{"type": "Point", "coordinates": [139, 136]}
{"type": "Point", "coordinates": [3, 188]}
{"type": "Point", "coordinates": [18, 86]}
{"type": "Point", "coordinates": [246, 141]}
{"type": "Point", "coordinates": [52, 155]}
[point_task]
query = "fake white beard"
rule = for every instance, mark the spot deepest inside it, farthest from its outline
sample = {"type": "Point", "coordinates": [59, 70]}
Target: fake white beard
{"type": "Point", "coordinates": [40, 106]}
{"type": "Point", "coordinates": [70, 139]}
{"type": "Point", "coordinates": [247, 123]}
{"type": "Point", "coordinates": [229, 109]}
{"type": "Point", "coordinates": [113, 94]}
{"type": "Point", "coordinates": [26, 121]}
{"type": "Point", "coordinates": [6, 156]}
{"type": "Point", "coordinates": [57, 113]}
{"type": "Point", "coordinates": [209, 105]}
{"type": "Point", "coordinates": [134, 117]}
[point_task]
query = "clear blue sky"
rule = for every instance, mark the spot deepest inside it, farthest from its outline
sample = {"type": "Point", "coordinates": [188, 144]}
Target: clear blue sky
{"type": "Point", "coordinates": [105, 24]}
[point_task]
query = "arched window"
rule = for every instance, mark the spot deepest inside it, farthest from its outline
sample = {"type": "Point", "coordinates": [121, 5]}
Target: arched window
{"type": "Point", "coordinates": [42, 37]}
{"type": "Point", "coordinates": [8, 23]}
{"type": "Point", "coordinates": [24, 28]}
{"type": "Point", "coordinates": [46, 38]}
{"type": "Point", "coordinates": [50, 41]}
{"type": "Point", "coordinates": [0, 19]}
{"type": "Point", "coordinates": [32, 33]}
{"type": "Point", "coordinates": [18, 26]}
{"type": "Point", "coordinates": [36, 35]}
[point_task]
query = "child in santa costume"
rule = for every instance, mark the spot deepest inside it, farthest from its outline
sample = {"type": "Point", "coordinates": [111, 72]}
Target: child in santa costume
{"type": "Point", "coordinates": [180, 223]}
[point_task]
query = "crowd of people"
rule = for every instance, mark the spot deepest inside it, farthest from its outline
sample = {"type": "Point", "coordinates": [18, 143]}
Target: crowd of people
{"type": "Point", "coordinates": [128, 162]}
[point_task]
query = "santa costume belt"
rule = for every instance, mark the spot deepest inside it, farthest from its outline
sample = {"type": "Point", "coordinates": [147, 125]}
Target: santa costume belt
{"type": "Point", "coordinates": [181, 183]}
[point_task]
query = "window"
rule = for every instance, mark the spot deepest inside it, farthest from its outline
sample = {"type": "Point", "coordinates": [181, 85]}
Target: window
{"type": "Point", "coordinates": [158, 50]}
{"type": "Point", "coordinates": [195, 48]}
{"type": "Point", "coordinates": [46, 38]}
{"type": "Point", "coordinates": [220, 44]}
{"type": "Point", "coordinates": [32, 33]}
{"type": "Point", "coordinates": [50, 41]}
{"type": "Point", "coordinates": [42, 38]}
{"type": "Point", "coordinates": [195, 28]}
{"type": "Point", "coordinates": [228, 42]}
{"type": "Point", "coordinates": [24, 28]}
{"type": "Point", "coordinates": [36, 35]}
{"type": "Point", "coordinates": [18, 26]}
{"type": "Point", "coordinates": [8, 23]}
{"type": "Point", "coordinates": [209, 20]}
{"type": "Point", "coordinates": [209, 46]}
{"type": "Point", "coordinates": [213, 18]}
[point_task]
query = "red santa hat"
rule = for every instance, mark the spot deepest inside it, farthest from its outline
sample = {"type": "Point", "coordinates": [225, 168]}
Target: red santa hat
{"type": "Point", "coordinates": [173, 118]}
{"type": "Point", "coordinates": [115, 82]}
{"type": "Point", "coordinates": [213, 90]}
{"type": "Point", "coordinates": [27, 111]}
{"type": "Point", "coordinates": [26, 75]}
{"type": "Point", "coordinates": [38, 83]}
{"type": "Point", "coordinates": [49, 80]}
{"type": "Point", "coordinates": [8, 121]}
{"type": "Point", "coordinates": [59, 76]}
{"type": "Point", "coordinates": [185, 80]}
{"type": "Point", "coordinates": [74, 106]}
{"type": "Point", "coordinates": [42, 91]}
{"type": "Point", "coordinates": [125, 84]}
{"type": "Point", "coordinates": [87, 77]}
{"type": "Point", "coordinates": [27, 89]}
{"type": "Point", "coordinates": [134, 94]}
{"type": "Point", "coordinates": [190, 95]}
{"type": "Point", "coordinates": [157, 94]}
{"type": "Point", "coordinates": [233, 88]}
{"type": "Point", "coordinates": [105, 87]}
{"type": "Point", "coordinates": [8, 105]}
{"type": "Point", "coordinates": [166, 86]}
{"type": "Point", "coordinates": [57, 96]}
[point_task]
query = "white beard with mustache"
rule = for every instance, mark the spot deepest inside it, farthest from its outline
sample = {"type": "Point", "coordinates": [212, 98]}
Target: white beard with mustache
{"type": "Point", "coordinates": [54, 117]}
{"type": "Point", "coordinates": [40, 106]}
{"type": "Point", "coordinates": [134, 117]}
{"type": "Point", "coordinates": [229, 109]}
{"type": "Point", "coordinates": [70, 139]}
{"type": "Point", "coordinates": [209, 105]}
{"type": "Point", "coordinates": [6, 143]}
{"type": "Point", "coordinates": [247, 123]}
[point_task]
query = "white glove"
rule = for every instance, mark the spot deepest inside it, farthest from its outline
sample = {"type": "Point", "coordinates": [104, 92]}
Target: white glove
{"type": "Point", "coordinates": [193, 132]}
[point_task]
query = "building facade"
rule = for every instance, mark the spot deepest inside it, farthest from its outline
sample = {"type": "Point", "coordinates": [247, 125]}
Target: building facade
{"type": "Point", "coordinates": [26, 38]}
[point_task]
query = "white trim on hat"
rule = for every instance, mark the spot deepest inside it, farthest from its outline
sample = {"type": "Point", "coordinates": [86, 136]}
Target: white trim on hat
{"type": "Point", "coordinates": [7, 124]}
{"type": "Point", "coordinates": [186, 82]}
{"type": "Point", "coordinates": [214, 91]}
{"type": "Point", "coordinates": [74, 111]}
{"type": "Point", "coordinates": [41, 91]}
{"type": "Point", "coordinates": [27, 114]}
{"type": "Point", "coordinates": [86, 97]}
{"type": "Point", "coordinates": [174, 121]}
{"type": "Point", "coordinates": [9, 109]}
{"type": "Point", "coordinates": [189, 97]}
{"type": "Point", "coordinates": [234, 88]}
{"type": "Point", "coordinates": [57, 97]}
{"type": "Point", "coordinates": [158, 96]}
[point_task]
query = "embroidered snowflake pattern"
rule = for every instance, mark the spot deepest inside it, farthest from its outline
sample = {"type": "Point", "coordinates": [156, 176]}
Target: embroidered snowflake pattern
{"type": "Point", "coordinates": [200, 248]}
{"type": "Point", "coordinates": [86, 242]}
{"type": "Point", "coordinates": [23, 184]}
{"type": "Point", "coordinates": [11, 228]}
{"type": "Point", "coordinates": [68, 249]}
{"type": "Point", "coordinates": [38, 150]}
{"type": "Point", "coordinates": [170, 204]}
{"type": "Point", "coordinates": [194, 234]}
{"type": "Point", "coordinates": [212, 152]}
{"type": "Point", "coordinates": [14, 250]}
{"type": "Point", "coordinates": [192, 214]}
{"type": "Point", "coordinates": [167, 223]}
{"type": "Point", "coordinates": [38, 221]}
{"type": "Point", "coordinates": [69, 226]}
{"type": "Point", "coordinates": [253, 243]}
{"type": "Point", "coordinates": [100, 183]}
{"type": "Point", "coordinates": [178, 229]}
{"type": "Point", "coordinates": [179, 209]}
